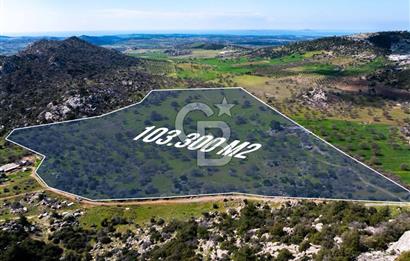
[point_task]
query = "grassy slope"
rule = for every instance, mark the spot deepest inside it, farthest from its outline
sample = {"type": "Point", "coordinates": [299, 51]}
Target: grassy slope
{"type": "Point", "coordinates": [142, 214]}
{"type": "Point", "coordinates": [379, 145]}
{"type": "Point", "coordinates": [387, 154]}
{"type": "Point", "coordinates": [19, 182]}
{"type": "Point", "coordinates": [10, 152]}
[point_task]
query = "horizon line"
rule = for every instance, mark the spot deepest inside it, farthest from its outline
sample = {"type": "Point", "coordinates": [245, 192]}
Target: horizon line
{"type": "Point", "coordinates": [262, 32]}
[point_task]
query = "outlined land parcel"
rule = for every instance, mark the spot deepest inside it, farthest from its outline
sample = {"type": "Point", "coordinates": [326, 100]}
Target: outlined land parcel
{"type": "Point", "coordinates": [98, 159]}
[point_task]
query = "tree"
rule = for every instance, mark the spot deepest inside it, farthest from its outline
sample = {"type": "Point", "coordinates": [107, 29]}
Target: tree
{"type": "Point", "coordinates": [19, 246]}
{"type": "Point", "coordinates": [351, 246]}
{"type": "Point", "coordinates": [244, 254]}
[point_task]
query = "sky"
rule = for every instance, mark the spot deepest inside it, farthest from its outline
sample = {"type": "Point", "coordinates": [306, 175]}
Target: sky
{"type": "Point", "coordinates": [40, 16]}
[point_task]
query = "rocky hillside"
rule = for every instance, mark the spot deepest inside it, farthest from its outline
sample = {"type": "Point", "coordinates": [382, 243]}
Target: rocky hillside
{"type": "Point", "coordinates": [232, 230]}
{"type": "Point", "coordinates": [377, 43]}
{"type": "Point", "coordinates": [57, 80]}
{"type": "Point", "coordinates": [393, 42]}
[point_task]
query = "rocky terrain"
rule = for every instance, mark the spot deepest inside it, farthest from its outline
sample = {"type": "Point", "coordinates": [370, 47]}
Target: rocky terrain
{"type": "Point", "coordinates": [384, 42]}
{"type": "Point", "coordinates": [57, 80]}
{"type": "Point", "coordinates": [53, 80]}
{"type": "Point", "coordinates": [249, 231]}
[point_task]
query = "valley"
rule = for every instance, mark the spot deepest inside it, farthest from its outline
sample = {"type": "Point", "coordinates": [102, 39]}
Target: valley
{"type": "Point", "coordinates": [352, 91]}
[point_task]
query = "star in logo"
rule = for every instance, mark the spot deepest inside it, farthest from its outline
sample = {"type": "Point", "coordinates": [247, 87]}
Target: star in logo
{"type": "Point", "coordinates": [224, 107]}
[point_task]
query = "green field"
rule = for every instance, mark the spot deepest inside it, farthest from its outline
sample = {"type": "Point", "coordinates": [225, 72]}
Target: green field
{"type": "Point", "coordinates": [379, 145]}
{"type": "Point", "coordinates": [19, 182]}
{"type": "Point", "coordinates": [142, 214]}
{"type": "Point", "coordinates": [321, 69]}
{"type": "Point", "coordinates": [200, 65]}
{"type": "Point", "coordinates": [365, 68]}
{"type": "Point", "coordinates": [155, 55]}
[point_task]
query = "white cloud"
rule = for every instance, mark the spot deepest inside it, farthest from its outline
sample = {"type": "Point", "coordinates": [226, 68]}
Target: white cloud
{"type": "Point", "coordinates": [155, 15]}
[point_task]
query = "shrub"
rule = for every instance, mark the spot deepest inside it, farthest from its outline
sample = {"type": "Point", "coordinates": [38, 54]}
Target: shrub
{"type": "Point", "coordinates": [304, 245]}
{"type": "Point", "coordinates": [404, 166]}
{"type": "Point", "coordinates": [374, 160]}
{"type": "Point", "coordinates": [364, 146]}
{"type": "Point", "coordinates": [284, 255]}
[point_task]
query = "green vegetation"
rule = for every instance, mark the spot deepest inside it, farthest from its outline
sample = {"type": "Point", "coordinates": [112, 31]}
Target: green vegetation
{"type": "Point", "coordinates": [336, 218]}
{"type": "Point", "coordinates": [18, 182]}
{"type": "Point", "coordinates": [18, 245]}
{"type": "Point", "coordinates": [293, 58]}
{"type": "Point", "coordinates": [159, 67]}
{"type": "Point", "coordinates": [10, 152]}
{"type": "Point", "coordinates": [234, 66]}
{"type": "Point", "coordinates": [282, 66]}
{"type": "Point", "coordinates": [281, 79]}
{"type": "Point", "coordinates": [330, 69]}
{"type": "Point", "coordinates": [379, 145]}
{"type": "Point", "coordinates": [322, 69]}
{"type": "Point", "coordinates": [198, 72]}
{"type": "Point", "coordinates": [365, 68]}
{"type": "Point", "coordinates": [405, 256]}
{"type": "Point", "coordinates": [200, 65]}
{"type": "Point", "coordinates": [284, 255]}
{"type": "Point", "coordinates": [33, 210]}
{"type": "Point", "coordinates": [176, 236]}
{"type": "Point", "coordinates": [126, 169]}
{"type": "Point", "coordinates": [209, 68]}
{"type": "Point", "coordinates": [155, 55]}
{"type": "Point", "coordinates": [144, 213]}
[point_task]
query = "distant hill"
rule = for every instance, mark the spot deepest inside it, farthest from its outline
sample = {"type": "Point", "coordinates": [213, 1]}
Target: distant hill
{"type": "Point", "coordinates": [53, 80]}
{"type": "Point", "coordinates": [395, 42]}
{"type": "Point", "coordinates": [102, 40]}
{"type": "Point", "coordinates": [12, 45]}
{"type": "Point", "coordinates": [74, 55]}
{"type": "Point", "coordinates": [56, 80]}
{"type": "Point", "coordinates": [380, 43]}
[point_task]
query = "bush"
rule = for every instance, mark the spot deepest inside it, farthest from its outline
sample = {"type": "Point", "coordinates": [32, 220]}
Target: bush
{"type": "Point", "coordinates": [304, 245]}
{"type": "Point", "coordinates": [105, 240]}
{"type": "Point", "coordinates": [375, 161]}
{"type": "Point", "coordinates": [404, 166]}
{"type": "Point", "coordinates": [284, 255]}
{"type": "Point", "coordinates": [365, 146]}
{"type": "Point", "coordinates": [351, 246]}
{"type": "Point", "coordinates": [19, 246]}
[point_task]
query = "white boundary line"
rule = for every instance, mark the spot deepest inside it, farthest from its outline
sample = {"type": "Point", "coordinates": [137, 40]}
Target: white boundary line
{"type": "Point", "coordinates": [200, 195]}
